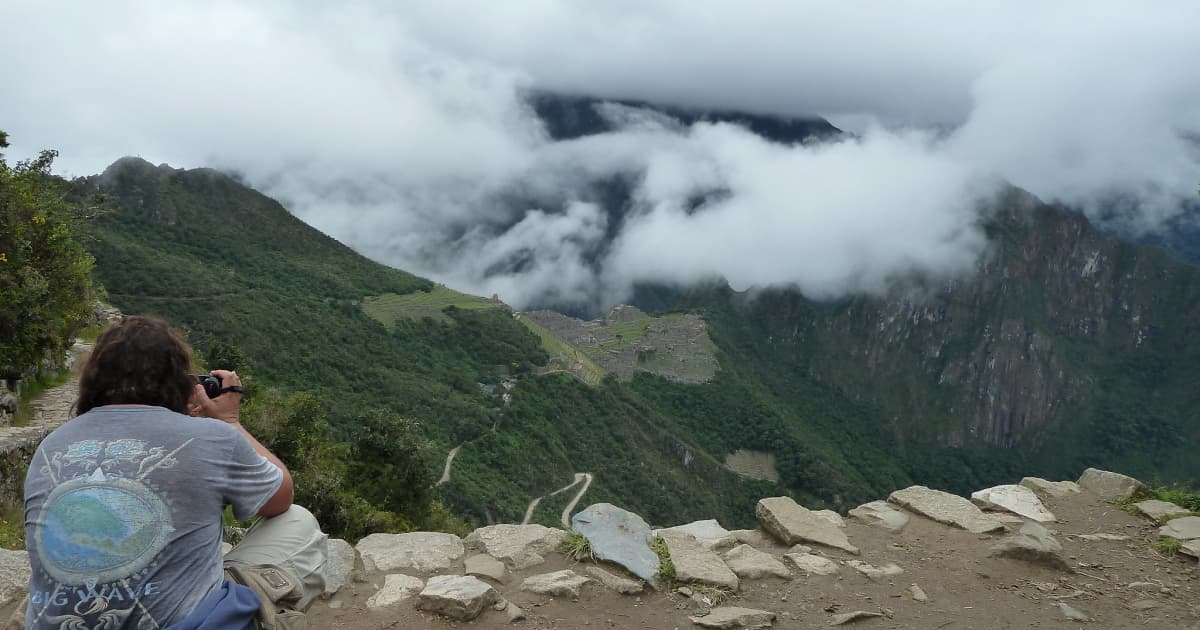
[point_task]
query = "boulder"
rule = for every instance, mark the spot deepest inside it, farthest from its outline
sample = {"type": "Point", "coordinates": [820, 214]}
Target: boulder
{"type": "Point", "coordinates": [1156, 509]}
{"type": "Point", "coordinates": [875, 573]}
{"type": "Point", "coordinates": [565, 583]}
{"type": "Point", "coordinates": [709, 533]}
{"type": "Point", "coordinates": [1186, 528]}
{"type": "Point", "coordinates": [754, 537]}
{"type": "Point", "coordinates": [734, 618]}
{"type": "Point", "coordinates": [750, 563]}
{"type": "Point", "coordinates": [483, 565]}
{"type": "Point", "coordinates": [946, 508]}
{"type": "Point", "coordinates": [1109, 485]}
{"type": "Point", "coordinates": [420, 551]}
{"type": "Point", "coordinates": [1033, 543]}
{"type": "Point", "coordinates": [792, 523]}
{"type": "Point", "coordinates": [14, 575]}
{"type": "Point", "coordinates": [812, 564]}
{"type": "Point", "coordinates": [696, 565]}
{"type": "Point", "coordinates": [831, 516]}
{"type": "Point", "coordinates": [1011, 498]}
{"type": "Point", "coordinates": [618, 536]}
{"type": "Point", "coordinates": [614, 582]}
{"type": "Point", "coordinates": [397, 587]}
{"type": "Point", "coordinates": [880, 514]}
{"type": "Point", "coordinates": [340, 565]}
{"type": "Point", "coordinates": [1053, 489]}
{"type": "Point", "coordinates": [519, 546]}
{"type": "Point", "coordinates": [460, 597]}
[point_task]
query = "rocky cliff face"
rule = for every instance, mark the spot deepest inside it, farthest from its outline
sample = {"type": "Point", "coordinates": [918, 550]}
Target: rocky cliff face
{"type": "Point", "coordinates": [1062, 329]}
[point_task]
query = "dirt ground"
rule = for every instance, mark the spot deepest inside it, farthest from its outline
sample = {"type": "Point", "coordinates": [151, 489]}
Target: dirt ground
{"type": "Point", "coordinates": [966, 588]}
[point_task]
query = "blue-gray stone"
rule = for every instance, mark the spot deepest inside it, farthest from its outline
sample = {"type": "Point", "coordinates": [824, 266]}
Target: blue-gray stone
{"type": "Point", "coordinates": [618, 536]}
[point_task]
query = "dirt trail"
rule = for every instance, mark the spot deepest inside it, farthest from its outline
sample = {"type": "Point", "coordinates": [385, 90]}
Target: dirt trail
{"type": "Point", "coordinates": [449, 460]}
{"type": "Point", "coordinates": [584, 478]}
{"type": "Point", "coordinates": [967, 588]}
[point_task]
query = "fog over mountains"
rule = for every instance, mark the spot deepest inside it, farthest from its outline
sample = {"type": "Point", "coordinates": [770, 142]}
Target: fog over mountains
{"type": "Point", "coordinates": [405, 130]}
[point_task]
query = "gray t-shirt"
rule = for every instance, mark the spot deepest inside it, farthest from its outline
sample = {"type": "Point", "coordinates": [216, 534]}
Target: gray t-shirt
{"type": "Point", "coordinates": [123, 515]}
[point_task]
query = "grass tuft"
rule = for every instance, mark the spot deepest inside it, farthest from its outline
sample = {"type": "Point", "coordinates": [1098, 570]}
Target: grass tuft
{"type": "Point", "coordinates": [666, 568]}
{"type": "Point", "coordinates": [578, 546]}
{"type": "Point", "coordinates": [1167, 545]}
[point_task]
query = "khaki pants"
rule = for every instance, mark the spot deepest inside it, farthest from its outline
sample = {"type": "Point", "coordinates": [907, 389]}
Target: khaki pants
{"type": "Point", "coordinates": [292, 541]}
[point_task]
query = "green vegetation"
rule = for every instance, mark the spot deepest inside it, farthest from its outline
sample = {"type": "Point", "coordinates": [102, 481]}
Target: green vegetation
{"type": "Point", "coordinates": [666, 568]}
{"type": "Point", "coordinates": [578, 546]}
{"type": "Point", "coordinates": [12, 528]}
{"type": "Point", "coordinates": [390, 307]}
{"type": "Point", "coordinates": [565, 357]}
{"type": "Point", "coordinates": [45, 274]}
{"type": "Point", "coordinates": [1167, 545]}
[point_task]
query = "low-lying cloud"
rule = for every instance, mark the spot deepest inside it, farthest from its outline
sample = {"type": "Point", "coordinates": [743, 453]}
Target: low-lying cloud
{"type": "Point", "coordinates": [402, 130]}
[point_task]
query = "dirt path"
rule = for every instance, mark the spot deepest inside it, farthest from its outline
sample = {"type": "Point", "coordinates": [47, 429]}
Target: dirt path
{"type": "Point", "coordinates": [449, 460]}
{"type": "Point", "coordinates": [584, 478]}
{"type": "Point", "coordinates": [1120, 584]}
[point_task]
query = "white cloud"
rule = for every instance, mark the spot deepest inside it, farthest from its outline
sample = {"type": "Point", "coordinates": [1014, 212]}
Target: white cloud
{"type": "Point", "coordinates": [399, 128]}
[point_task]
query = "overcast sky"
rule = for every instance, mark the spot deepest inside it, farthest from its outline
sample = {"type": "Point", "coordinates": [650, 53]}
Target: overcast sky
{"type": "Point", "coordinates": [397, 126]}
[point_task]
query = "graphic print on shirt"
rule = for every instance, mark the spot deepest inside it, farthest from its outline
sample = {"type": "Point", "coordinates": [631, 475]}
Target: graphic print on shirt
{"type": "Point", "coordinates": [103, 526]}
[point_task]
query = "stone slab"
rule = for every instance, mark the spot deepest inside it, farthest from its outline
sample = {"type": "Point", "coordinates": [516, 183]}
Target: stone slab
{"type": "Point", "coordinates": [1186, 528]}
{"type": "Point", "coordinates": [565, 583]}
{"type": "Point", "coordinates": [812, 564]}
{"type": "Point", "coordinates": [1013, 498]}
{"type": "Point", "coordinates": [340, 565]}
{"type": "Point", "coordinates": [1155, 509]}
{"type": "Point", "coordinates": [614, 582]}
{"type": "Point", "coordinates": [396, 588]}
{"type": "Point", "coordinates": [946, 508]}
{"type": "Point", "coordinates": [696, 565]}
{"type": "Point", "coordinates": [460, 597]}
{"type": "Point", "coordinates": [735, 618]}
{"type": "Point", "coordinates": [1053, 489]}
{"type": "Point", "coordinates": [518, 546]}
{"type": "Point", "coordinates": [709, 533]}
{"type": "Point", "coordinates": [880, 514]}
{"type": "Point", "coordinates": [791, 523]}
{"type": "Point", "coordinates": [749, 563]}
{"type": "Point", "coordinates": [1109, 485]}
{"type": "Point", "coordinates": [420, 551]}
{"type": "Point", "coordinates": [483, 565]}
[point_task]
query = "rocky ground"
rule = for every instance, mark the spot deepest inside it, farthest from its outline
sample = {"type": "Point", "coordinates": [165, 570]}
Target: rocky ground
{"type": "Point", "coordinates": [923, 574]}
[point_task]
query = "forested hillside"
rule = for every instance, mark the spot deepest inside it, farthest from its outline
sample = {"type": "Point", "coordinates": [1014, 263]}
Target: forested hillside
{"type": "Point", "coordinates": [1055, 357]}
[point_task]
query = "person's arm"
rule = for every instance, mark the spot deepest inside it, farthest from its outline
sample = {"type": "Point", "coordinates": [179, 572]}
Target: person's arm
{"type": "Point", "coordinates": [226, 408]}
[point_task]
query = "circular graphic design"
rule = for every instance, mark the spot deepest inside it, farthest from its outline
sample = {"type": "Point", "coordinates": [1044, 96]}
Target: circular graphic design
{"type": "Point", "coordinates": [101, 529]}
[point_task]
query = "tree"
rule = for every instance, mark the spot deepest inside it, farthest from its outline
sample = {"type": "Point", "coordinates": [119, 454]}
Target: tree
{"type": "Point", "coordinates": [45, 274]}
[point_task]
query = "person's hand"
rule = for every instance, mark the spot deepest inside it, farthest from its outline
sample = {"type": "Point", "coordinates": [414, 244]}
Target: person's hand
{"type": "Point", "coordinates": [224, 407]}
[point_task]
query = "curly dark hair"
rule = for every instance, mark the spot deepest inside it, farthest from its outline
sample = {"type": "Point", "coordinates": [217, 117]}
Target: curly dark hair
{"type": "Point", "coordinates": [137, 361]}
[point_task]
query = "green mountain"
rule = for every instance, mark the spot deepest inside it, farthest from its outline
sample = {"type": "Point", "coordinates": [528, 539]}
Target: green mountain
{"type": "Point", "coordinates": [1069, 348]}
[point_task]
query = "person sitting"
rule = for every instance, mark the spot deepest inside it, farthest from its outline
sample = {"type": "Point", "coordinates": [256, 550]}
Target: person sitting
{"type": "Point", "coordinates": [124, 503]}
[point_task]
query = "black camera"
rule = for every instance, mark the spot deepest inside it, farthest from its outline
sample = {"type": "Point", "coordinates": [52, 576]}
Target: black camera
{"type": "Point", "coordinates": [212, 384]}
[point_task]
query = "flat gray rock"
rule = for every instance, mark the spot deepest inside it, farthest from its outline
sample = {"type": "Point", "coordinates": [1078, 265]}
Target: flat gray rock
{"type": "Point", "coordinates": [519, 546]}
{"type": "Point", "coordinates": [1074, 614]}
{"type": "Point", "coordinates": [460, 597]}
{"type": "Point", "coordinates": [1018, 500]}
{"type": "Point", "coordinates": [1034, 544]}
{"type": "Point", "coordinates": [420, 551]}
{"type": "Point", "coordinates": [1156, 509]}
{"type": "Point", "coordinates": [873, 572]}
{"type": "Point", "coordinates": [483, 565]}
{"type": "Point", "coordinates": [1109, 485]}
{"type": "Point", "coordinates": [1190, 548]}
{"type": "Point", "coordinates": [565, 583]}
{"type": "Point", "coordinates": [812, 564]}
{"type": "Point", "coordinates": [1054, 489]}
{"type": "Point", "coordinates": [1186, 528]}
{"type": "Point", "coordinates": [14, 575]}
{"type": "Point", "coordinates": [696, 565]}
{"type": "Point", "coordinates": [946, 508]}
{"type": "Point", "coordinates": [880, 514]}
{"type": "Point", "coordinates": [397, 587]}
{"type": "Point", "coordinates": [614, 582]}
{"type": "Point", "coordinates": [340, 565]}
{"type": "Point", "coordinates": [734, 618]}
{"type": "Point", "coordinates": [792, 523]}
{"type": "Point", "coordinates": [749, 563]}
{"type": "Point", "coordinates": [857, 615]}
{"type": "Point", "coordinates": [754, 537]}
{"type": "Point", "coordinates": [833, 517]}
{"type": "Point", "coordinates": [618, 536]}
{"type": "Point", "coordinates": [709, 533]}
